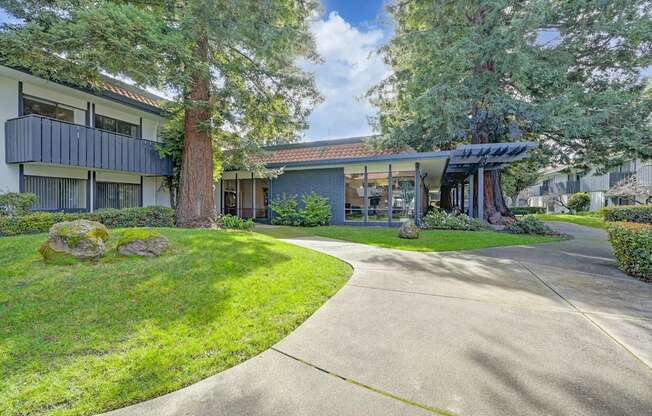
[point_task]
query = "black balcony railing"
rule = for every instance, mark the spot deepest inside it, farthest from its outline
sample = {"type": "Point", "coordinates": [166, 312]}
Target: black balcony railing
{"type": "Point", "coordinates": [615, 177]}
{"type": "Point", "coordinates": [40, 139]}
{"type": "Point", "coordinates": [569, 187]}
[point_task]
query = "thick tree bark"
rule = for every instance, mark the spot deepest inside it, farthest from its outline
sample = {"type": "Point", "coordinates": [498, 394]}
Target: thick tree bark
{"type": "Point", "coordinates": [445, 201]}
{"type": "Point", "coordinates": [196, 203]}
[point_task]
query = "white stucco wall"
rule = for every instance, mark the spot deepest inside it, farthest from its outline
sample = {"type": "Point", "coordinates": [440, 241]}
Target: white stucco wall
{"type": "Point", "coordinates": [8, 109]}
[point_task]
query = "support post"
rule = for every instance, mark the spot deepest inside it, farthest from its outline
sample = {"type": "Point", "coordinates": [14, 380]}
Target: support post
{"type": "Point", "coordinates": [253, 196]}
{"type": "Point", "coordinates": [237, 195]}
{"type": "Point", "coordinates": [221, 196]}
{"type": "Point", "coordinates": [365, 205]}
{"type": "Point", "coordinates": [140, 197]}
{"type": "Point", "coordinates": [462, 196]}
{"type": "Point", "coordinates": [389, 196]}
{"type": "Point", "coordinates": [417, 194]}
{"type": "Point", "coordinates": [471, 213]}
{"type": "Point", "coordinates": [481, 193]}
{"type": "Point", "coordinates": [459, 196]}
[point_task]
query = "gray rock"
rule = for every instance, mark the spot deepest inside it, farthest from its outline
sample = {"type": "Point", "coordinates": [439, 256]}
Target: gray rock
{"type": "Point", "coordinates": [152, 246]}
{"type": "Point", "coordinates": [409, 230]}
{"type": "Point", "coordinates": [81, 239]}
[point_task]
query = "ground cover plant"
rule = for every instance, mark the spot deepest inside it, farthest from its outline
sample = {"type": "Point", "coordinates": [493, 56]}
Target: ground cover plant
{"type": "Point", "coordinates": [429, 240]}
{"type": "Point", "coordinates": [90, 337]}
{"type": "Point", "coordinates": [315, 210]}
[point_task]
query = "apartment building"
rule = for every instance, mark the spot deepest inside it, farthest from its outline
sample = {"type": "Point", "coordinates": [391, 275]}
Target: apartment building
{"type": "Point", "coordinates": [80, 149]}
{"type": "Point", "coordinates": [560, 183]}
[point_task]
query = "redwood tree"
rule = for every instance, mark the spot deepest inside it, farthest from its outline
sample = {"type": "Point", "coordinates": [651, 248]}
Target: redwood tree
{"type": "Point", "coordinates": [229, 64]}
{"type": "Point", "coordinates": [564, 73]}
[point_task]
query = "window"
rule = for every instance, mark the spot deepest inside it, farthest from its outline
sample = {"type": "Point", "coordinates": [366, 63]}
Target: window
{"type": "Point", "coordinates": [230, 197]}
{"type": "Point", "coordinates": [403, 194]}
{"type": "Point", "coordinates": [57, 194]}
{"type": "Point", "coordinates": [354, 197]}
{"type": "Point", "coordinates": [116, 126]}
{"type": "Point", "coordinates": [378, 195]}
{"type": "Point", "coordinates": [262, 198]}
{"type": "Point", "coordinates": [117, 195]}
{"type": "Point", "coordinates": [48, 109]}
{"type": "Point", "coordinates": [246, 198]}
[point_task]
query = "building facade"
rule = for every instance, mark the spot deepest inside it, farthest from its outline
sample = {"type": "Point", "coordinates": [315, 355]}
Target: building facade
{"type": "Point", "coordinates": [560, 184]}
{"type": "Point", "coordinates": [80, 150]}
{"type": "Point", "coordinates": [366, 186]}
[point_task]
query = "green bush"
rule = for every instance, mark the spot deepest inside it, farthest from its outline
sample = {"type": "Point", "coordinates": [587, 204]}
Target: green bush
{"type": "Point", "coordinates": [316, 210]}
{"type": "Point", "coordinates": [17, 203]}
{"type": "Point", "coordinates": [40, 222]}
{"type": "Point", "coordinates": [632, 245]}
{"type": "Point", "coordinates": [438, 219]}
{"type": "Point", "coordinates": [631, 213]}
{"type": "Point", "coordinates": [579, 202]}
{"type": "Point", "coordinates": [286, 210]}
{"type": "Point", "coordinates": [529, 224]}
{"type": "Point", "coordinates": [527, 210]}
{"type": "Point", "coordinates": [236, 223]}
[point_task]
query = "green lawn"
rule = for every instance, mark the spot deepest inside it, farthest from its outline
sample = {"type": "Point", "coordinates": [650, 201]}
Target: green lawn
{"type": "Point", "coordinates": [430, 240]}
{"type": "Point", "coordinates": [88, 338]}
{"type": "Point", "coordinates": [587, 220]}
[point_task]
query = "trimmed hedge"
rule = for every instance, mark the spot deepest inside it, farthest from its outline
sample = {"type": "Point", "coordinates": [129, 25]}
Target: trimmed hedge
{"type": "Point", "coordinates": [527, 210]}
{"type": "Point", "coordinates": [632, 213]}
{"type": "Point", "coordinates": [40, 222]}
{"type": "Point", "coordinates": [632, 245]}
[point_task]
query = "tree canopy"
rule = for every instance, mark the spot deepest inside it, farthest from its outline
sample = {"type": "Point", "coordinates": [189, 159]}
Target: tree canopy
{"type": "Point", "coordinates": [231, 66]}
{"type": "Point", "coordinates": [567, 74]}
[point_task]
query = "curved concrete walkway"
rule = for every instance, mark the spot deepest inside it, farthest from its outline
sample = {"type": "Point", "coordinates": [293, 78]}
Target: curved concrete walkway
{"type": "Point", "coordinates": [552, 329]}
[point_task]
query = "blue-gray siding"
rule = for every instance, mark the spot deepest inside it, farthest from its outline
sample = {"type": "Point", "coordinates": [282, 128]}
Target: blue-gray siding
{"type": "Point", "coordinates": [325, 182]}
{"type": "Point", "coordinates": [39, 139]}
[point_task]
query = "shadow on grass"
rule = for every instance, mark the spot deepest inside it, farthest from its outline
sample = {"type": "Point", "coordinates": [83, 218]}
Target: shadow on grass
{"type": "Point", "coordinates": [144, 324]}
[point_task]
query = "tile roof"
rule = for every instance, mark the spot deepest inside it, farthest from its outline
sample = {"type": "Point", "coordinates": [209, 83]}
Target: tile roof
{"type": "Point", "coordinates": [324, 150]}
{"type": "Point", "coordinates": [114, 87]}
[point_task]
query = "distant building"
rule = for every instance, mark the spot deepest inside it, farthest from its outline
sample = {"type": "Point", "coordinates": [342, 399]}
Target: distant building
{"type": "Point", "coordinates": [559, 183]}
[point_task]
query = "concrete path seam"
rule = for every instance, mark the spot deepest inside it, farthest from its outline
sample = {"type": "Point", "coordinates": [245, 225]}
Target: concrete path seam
{"type": "Point", "coordinates": [488, 302]}
{"type": "Point", "coordinates": [588, 318]}
{"type": "Point", "coordinates": [434, 410]}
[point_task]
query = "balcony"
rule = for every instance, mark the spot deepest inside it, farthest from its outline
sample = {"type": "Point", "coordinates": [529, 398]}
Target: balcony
{"type": "Point", "coordinates": [37, 139]}
{"type": "Point", "coordinates": [568, 187]}
{"type": "Point", "coordinates": [615, 177]}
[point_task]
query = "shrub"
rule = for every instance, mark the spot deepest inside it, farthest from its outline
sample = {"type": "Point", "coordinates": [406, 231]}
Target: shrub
{"type": "Point", "coordinates": [316, 210]}
{"type": "Point", "coordinates": [633, 213]}
{"type": "Point", "coordinates": [440, 219]}
{"type": "Point", "coordinates": [155, 216]}
{"type": "Point", "coordinates": [632, 245]}
{"type": "Point", "coordinates": [579, 202]}
{"type": "Point", "coordinates": [236, 223]}
{"type": "Point", "coordinates": [527, 210]}
{"type": "Point", "coordinates": [529, 224]}
{"type": "Point", "coordinates": [285, 209]}
{"type": "Point", "coordinates": [40, 222]}
{"type": "Point", "coordinates": [16, 203]}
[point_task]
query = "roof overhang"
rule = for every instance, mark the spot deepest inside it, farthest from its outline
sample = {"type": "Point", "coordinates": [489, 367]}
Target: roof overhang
{"type": "Point", "coordinates": [468, 158]}
{"type": "Point", "coordinates": [416, 156]}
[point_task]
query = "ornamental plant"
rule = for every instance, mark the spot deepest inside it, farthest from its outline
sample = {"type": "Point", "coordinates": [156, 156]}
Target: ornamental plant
{"type": "Point", "coordinates": [632, 245]}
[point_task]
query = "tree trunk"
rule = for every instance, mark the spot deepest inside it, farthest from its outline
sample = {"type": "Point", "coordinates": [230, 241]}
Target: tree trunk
{"type": "Point", "coordinates": [196, 202]}
{"type": "Point", "coordinates": [445, 201]}
{"type": "Point", "coordinates": [495, 209]}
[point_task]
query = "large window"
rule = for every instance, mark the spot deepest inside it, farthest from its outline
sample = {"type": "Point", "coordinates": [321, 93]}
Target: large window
{"type": "Point", "coordinates": [230, 197]}
{"type": "Point", "coordinates": [116, 126]}
{"type": "Point", "coordinates": [57, 194]}
{"type": "Point", "coordinates": [117, 195]}
{"type": "Point", "coordinates": [246, 198]}
{"type": "Point", "coordinates": [354, 197]}
{"type": "Point", "coordinates": [378, 195]}
{"type": "Point", "coordinates": [403, 195]}
{"type": "Point", "coordinates": [262, 198]}
{"type": "Point", "coordinates": [49, 109]}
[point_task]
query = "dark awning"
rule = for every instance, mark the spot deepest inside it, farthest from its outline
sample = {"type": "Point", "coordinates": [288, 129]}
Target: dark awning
{"type": "Point", "coordinates": [469, 157]}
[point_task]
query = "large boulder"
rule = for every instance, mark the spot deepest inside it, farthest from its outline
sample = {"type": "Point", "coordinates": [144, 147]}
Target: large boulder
{"type": "Point", "coordinates": [142, 242]}
{"type": "Point", "coordinates": [409, 230]}
{"type": "Point", "coordinates": [81, 239]}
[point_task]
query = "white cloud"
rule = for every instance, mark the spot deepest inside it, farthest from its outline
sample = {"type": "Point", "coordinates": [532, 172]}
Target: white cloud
{"type": "Point", "coordinates": [350, 68]}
